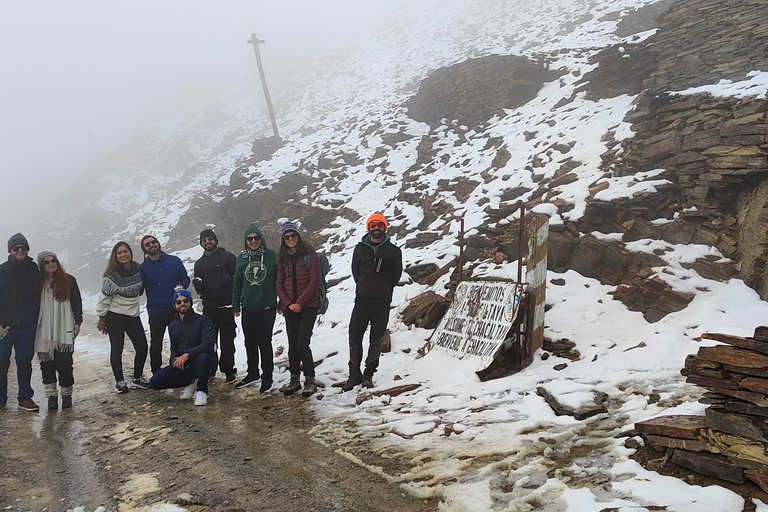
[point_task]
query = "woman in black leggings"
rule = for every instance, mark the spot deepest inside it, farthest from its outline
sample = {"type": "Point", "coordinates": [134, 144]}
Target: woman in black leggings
{"type": "Point", "coordinates": [118, 311]}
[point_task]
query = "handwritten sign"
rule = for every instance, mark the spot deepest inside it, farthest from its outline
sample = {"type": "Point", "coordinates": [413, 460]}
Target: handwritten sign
{"type": "Point", "coordinates": [478, 321]}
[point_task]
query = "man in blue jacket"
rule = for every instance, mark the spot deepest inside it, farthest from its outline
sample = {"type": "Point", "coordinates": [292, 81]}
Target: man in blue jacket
{"type": "Point", "coordinates": [192, 340]}
{"type": "Point", "coordinates": [162, 275]}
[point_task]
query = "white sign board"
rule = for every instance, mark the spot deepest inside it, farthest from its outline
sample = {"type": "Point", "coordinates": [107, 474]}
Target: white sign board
{"type": "Point", "coordinates": [478, 320]}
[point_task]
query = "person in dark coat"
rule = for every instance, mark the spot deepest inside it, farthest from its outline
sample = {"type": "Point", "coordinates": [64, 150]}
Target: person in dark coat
{"type": "Point", "coordinates": [298, 288]}
{"type": "Point", "coordinates": [58, 324]}
{"type": "Point", "coordinates": [377, 265]}
{"type": "Point", "coordinates": [192, 352]}
{"type": "Point", "coordinates": [162, 275]}
{"type": "Point", "coordinates": [19, 309]}
{"type": "Point", "coordinates": [213, 283]}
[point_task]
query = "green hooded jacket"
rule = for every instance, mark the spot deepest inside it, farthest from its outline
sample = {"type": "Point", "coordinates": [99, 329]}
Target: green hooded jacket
{"type": "Point", "coordinates": [255, 281]}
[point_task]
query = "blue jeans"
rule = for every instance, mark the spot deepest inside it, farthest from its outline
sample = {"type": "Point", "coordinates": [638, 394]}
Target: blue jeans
{"type": "Point", "coordinates": [172, 377]}
{"type": "Point", "coordinates": [22, 341]}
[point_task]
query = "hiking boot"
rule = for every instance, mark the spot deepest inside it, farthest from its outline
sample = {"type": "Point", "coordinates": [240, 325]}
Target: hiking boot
{"type": "Point", "coordinates": [247, 381]}
{"type": "Point", "coordinates": [140, 382]}
{"type": "Point", "coordinates": [28, 405]}
{"type": "Point", "coordinates": [368, 382]}
{"type": "Point", "coordinates": [353, 381]}
{"type": "Point", "coordinates": [66, 401]}
{"type": "Point", "coordinates": [189, 391]}
{"type": "Point", "coordinates": [266, 385]}
{"type": "Point", "coordinates": [53, 403]}
{"type": "Point", "coordinates": [293, 386]}
{"type": "Point", "coordinates": [231, 378]}
{"type": "Point", "coordinates": [121, 386]}
{"type": "Point", "coordinates": [309, 386]}
{"type": "Point", "coordinates": [201, 398]}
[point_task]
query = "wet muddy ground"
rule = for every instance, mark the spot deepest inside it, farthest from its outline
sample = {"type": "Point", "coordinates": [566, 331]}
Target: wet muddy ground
{"type": "Point", "coordinates": [150, 450]}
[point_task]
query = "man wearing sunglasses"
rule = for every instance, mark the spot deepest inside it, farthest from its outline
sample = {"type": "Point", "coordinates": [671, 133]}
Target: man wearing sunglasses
{"type": "Point", "coordinates": [20, 285]}
{"type": "Point", "coordinates": [162, 275]}
{"type": "Point", "coordinates": [377, 265]}
{"type": "Point", "coordinates": [192, 352]}
{"type": "Point", "coordinates": [213, 283]}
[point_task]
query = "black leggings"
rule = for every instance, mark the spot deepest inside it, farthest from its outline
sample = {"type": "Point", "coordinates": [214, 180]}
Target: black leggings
{"type": "Point", "coordinates": [117, 327]}
{"type": "Point", "coordinates": [299, 326]}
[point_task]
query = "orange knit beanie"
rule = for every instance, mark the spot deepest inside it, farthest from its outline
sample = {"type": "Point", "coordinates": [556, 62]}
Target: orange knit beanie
{"type": "Point", "coordinates": [377, 216]}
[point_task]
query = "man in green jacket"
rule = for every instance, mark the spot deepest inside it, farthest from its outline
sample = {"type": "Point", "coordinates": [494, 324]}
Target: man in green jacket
{"type": "Point", "coordinates": [254, 293]}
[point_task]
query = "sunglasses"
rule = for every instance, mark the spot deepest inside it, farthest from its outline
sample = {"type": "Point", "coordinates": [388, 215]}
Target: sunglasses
{"type": "Point", "coordinates": [208, 239]}
{"type": "Point", "coordinates": [252, 238]}
{"type": "Point", "coordinates": [376, 225]}
{"type": "Point", "coordinates": [289, 236]}
{"type": "Point", "coordinates": [182, 301]}
{"type": "Point", "coordinates": [151, 243]}
{"type": "Point", "coordinates": [50, 262]}
{"type": "Point", "coordinates": [17, 248]}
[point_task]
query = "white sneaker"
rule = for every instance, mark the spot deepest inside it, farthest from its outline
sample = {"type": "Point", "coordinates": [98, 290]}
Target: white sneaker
{"type": "Point", "coordinates": [201, 398]}
{"type": "Point", "coordinates": [189, 391]}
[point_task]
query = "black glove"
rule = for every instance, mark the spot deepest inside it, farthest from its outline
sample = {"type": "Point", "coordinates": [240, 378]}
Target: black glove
{"type": "Point", "coordinates": [223, 279]}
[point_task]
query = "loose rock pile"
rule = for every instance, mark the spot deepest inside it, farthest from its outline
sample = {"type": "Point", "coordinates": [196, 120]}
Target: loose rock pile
{"type": "Point", "coordinates": [730, 441]}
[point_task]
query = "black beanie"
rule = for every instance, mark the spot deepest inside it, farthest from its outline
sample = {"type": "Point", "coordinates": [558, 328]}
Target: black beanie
{"type": "Point", "coordinates": [17, 239]}
{"type": "Point", "coordinates": [206, 233]}
{"type": "Point", "coordinates": [143, 249]}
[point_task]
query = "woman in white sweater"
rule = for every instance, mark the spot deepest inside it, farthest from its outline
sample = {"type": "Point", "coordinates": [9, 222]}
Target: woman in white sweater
{"type": "Point", "coordinates": [118, 311]}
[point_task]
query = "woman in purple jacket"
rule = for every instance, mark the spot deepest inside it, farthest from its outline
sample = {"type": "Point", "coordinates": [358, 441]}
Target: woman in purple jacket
{"type": "Point", "coordinates": [298, 287]}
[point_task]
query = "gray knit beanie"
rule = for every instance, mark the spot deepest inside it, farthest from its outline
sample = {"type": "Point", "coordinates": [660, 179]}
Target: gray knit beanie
{"type": "Point", "coordinates": [17, 239]}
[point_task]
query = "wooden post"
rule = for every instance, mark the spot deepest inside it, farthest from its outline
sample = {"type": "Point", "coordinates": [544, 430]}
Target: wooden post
{"type": "Point", "coordinates": [255, 41]}
{"type": "Point", "coordinates": [461, 251]}
{"type": "Point", "coordinates": [521, 233]}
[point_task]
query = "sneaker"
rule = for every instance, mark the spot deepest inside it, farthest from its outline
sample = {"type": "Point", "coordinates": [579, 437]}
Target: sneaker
{"type": "Point", "coordinates": [201, 398]}
{"type": "Point", "coordinates": [353, 381]}
{"type": "Point", "coordinates": [231, 378]}
{"type": "Point", "coordinates": [266, 385]}
{"type": "Point", "coordinates": [247, 381]}
{"type": "Point", "coordinates": [53, 403]}
{"type": "Point", "coordinates": [66, 401]}
{"type": "Point", "coordinates": [189, 391]}
{"type": "Point", "coordinates": [140, 382]}
{"type": "Point", "coordinates": [28, 405]}
{"type": "Point", "coordinates": [368, 382]}
{"type": "Point", "coordinates": [121, 386]}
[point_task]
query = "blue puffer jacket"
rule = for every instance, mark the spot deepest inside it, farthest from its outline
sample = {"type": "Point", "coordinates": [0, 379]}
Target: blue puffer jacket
{"type": "Point", "coordinates": [160, 278]}
{"type": "Point", "coordinates": [194, 336]}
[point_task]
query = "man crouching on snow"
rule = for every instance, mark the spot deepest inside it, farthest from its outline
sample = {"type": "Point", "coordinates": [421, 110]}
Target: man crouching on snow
{"type": "Point", "coordinates": [192, 342]}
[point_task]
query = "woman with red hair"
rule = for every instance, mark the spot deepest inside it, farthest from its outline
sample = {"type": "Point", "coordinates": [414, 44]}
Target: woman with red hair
{"type": "Point", "coordinates": [61, 313]}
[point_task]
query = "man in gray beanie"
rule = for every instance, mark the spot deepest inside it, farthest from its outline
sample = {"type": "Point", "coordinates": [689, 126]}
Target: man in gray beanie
{"type": "Point", "coordinates": [213, 283]}
{"type": "Point", "coordinates": [19, 306]}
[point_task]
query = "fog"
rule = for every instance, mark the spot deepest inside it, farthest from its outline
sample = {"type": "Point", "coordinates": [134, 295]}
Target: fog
{"type": "Point", "coordinates": [79, 77]}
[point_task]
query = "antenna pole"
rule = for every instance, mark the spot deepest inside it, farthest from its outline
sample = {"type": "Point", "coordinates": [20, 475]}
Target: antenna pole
{"type": "Point", "coordinates": [255, 41]}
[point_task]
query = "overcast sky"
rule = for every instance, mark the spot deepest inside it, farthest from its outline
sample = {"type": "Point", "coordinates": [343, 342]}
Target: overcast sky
{"type": "Point", "coordinates": [78, 77]}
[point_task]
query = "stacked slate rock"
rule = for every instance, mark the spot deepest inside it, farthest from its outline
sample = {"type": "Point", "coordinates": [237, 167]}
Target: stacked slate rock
{"type": "Point", "coordinates": [731, 441]}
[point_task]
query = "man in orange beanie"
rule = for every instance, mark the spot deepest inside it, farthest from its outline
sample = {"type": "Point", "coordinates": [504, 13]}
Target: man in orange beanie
{"type": "Point", "coordinates": [377, 265]}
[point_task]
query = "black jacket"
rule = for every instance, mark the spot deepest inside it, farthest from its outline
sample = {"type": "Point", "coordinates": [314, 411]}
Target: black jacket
{"type": "Point", "coordinates": [377, 270]}
{"type": "Point", "coordinates": [20, 284]}
{"type": "Point", "coordinates": [193, 336]}
{"type": "Point", "coordinates": [213, 278]}
{"type": "Point", "coordinates": [75, 300]}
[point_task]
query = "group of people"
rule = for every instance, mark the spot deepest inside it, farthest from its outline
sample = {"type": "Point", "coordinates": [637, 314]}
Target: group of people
{"type": "Point", "coordinates": [41, 311]}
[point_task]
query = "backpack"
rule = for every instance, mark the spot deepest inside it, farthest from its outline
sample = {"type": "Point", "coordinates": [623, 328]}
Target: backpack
{"type": "Point", "coordinates": [325, 267]}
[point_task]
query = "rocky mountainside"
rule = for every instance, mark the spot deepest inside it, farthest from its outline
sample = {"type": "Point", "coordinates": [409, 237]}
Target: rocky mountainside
{"type": "Point", "coordinates": [570, 107]}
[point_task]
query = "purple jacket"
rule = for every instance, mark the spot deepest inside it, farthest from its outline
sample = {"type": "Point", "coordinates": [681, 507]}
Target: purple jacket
{"type": "Point", "coordinates": [295, 279]}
